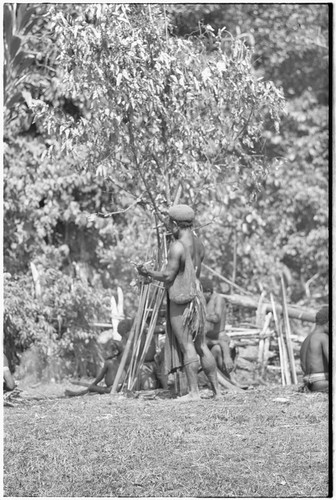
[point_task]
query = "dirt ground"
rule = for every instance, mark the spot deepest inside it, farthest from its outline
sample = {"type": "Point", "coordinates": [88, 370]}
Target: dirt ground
{"type": "Point", "coordinates": [264, 442]}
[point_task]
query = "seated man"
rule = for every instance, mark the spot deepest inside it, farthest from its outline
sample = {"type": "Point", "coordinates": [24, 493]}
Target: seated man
{"type": "Point", "coordinates": [108, 372]}
{"type": "Point", "coordinates": [314, 354]}
{"type": "Point", "coordinates": [8, 381]}
{"type": "Point", "coordinates": [217, 340]}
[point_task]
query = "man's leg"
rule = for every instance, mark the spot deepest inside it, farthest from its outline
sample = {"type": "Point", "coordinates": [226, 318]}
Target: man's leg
{"type": "Point", "coordinates": [184, 338]}
{"type": "Point", "coordinates": [100, 389]}
{"type": "Point", "coordinates": [208, 363]}
{"type": "Point", "coordinates": [72, 394]}
{"type": "Point", "coordinates": [319, 386]}
{"type": "Point", "coordinates": [216, 351]}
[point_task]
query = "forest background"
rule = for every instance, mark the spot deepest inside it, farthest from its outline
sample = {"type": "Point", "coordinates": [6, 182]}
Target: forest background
{"type": "Point", "coordinates": [110, 109]}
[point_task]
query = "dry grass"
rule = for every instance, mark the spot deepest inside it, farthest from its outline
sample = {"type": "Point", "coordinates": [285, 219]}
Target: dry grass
{"type": "Point", "coordinates": [245, 445]}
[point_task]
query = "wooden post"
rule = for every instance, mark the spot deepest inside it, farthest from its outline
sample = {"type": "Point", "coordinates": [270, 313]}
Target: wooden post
{"type": "Point", "coordinates": [265, 357]}
{"type": "Point", "coordinates": [260, 321]}
{"type": "Point", "coordinates": [234, 264]}
{"type": "Point", "coordinates": [288, 332]}
{"type": "Point", "coordinates": [262, 342]}
{"type": "Point", "coordinates": [285, 374]}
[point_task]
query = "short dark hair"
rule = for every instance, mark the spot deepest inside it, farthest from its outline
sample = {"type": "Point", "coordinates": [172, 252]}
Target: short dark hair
{"type": "Point", "coordinates": [183, 224]}
{"type": "Point", "coordinates": [124, 326]}
{"type": "Point", "coordinates": [322, 316]}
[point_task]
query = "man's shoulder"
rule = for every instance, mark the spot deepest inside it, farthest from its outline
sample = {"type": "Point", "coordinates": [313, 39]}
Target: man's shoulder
{"type": "Point", "coordinates": [318, 337]}
{"type": "Point", "coordinates": [177, 247]}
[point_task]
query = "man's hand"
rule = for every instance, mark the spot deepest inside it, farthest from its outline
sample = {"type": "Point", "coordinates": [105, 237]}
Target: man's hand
{"type": "Point", "coordinates": [142, 270]}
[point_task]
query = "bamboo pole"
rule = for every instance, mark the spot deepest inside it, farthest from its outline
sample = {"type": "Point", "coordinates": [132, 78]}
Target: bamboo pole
{"type": "Point", "coordinates": [143, 292]}
{"type": "Point", "coordinates": [288, 332]}
{"type": "Point", "coordinates": [234, 264]}
{"type": "Point", "coordinates": [265, 357]}
{"type": "Point", "coordinates": [138, 337]}
{"type": "Point", "coordinates": [260, 321]}
{"type": "Point", "coordinates": [229, 282]}
{"type": "Point", "coordinates": [285, 375]}
{"type": "Point", "coordinates": [262, 341]}
{"type": "Point", "coordinates": [149, 336]}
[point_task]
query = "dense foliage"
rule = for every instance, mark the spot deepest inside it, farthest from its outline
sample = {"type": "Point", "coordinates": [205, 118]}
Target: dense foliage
{"type": "Point", "coordinates": [110, 109]}
{"type": "Point", "coordinates": [286, 226]}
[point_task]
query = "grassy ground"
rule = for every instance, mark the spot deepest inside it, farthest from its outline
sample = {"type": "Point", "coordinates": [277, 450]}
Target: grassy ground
{"type": "Point", "coordinates": [268, 442]}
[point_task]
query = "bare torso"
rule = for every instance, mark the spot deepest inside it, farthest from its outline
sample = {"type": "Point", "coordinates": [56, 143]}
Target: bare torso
{"type": "Point", "coordinates": [216, 315]}
{"type": "Point", "coordinates": [195, 248]}
{"type": "Point", "coordinates": [111, 366]}
{"type": "Point", "coordinates": [313, 353]}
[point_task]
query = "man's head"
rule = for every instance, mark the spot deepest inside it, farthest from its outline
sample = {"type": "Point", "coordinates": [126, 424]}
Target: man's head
{"type": "Point", "coordinates": [112, 349]}
{"type": "Point", "coordinates": [180, 217]}
{"type": "Point", "coordinates": [322, 318]}
{"type": "Point", "coordinates": [207, 287]}
{"type": "Point", "coordinates": [124, 327]}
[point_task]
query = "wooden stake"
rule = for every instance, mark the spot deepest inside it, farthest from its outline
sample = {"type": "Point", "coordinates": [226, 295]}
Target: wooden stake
{"type": "Point", "coordinates": [149, 336]}
{"type": "Point", "coordinates": [285, 375]}
{"type": "Point", "coordinates": [288, 332]}
{"type": "Point", "coordinates": [130, 339]}
{"type": "Point", "coordinates": [265, 357]}
{"type": "Point", "coordinates": [225, 279]}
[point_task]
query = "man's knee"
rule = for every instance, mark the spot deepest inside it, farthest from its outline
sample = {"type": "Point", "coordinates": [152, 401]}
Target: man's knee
{"type": "Point", "coordinates": [216, 350]}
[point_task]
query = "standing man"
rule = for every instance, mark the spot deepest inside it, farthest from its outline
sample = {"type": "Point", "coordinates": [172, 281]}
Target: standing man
{"type": "Point", "coordinates": [216, 338]}
{"type": "Point", "coordinates": [314, 354]}
{"type": "Point", "coordinates": [186, 305]}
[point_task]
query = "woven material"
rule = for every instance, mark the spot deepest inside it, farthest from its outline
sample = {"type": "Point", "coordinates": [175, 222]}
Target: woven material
{"type": "Point", "coordinates": [181, 213]}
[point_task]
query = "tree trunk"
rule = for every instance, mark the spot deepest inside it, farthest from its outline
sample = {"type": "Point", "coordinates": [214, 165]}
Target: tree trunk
{"type": "Point", "coordinates": [252, 303]}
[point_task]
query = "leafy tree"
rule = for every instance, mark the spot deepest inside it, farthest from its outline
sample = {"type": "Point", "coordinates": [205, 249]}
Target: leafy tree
{"type": "Point", "coordinates": [158, 111]}
{"type": "Point", "coordinates": [290, 46]}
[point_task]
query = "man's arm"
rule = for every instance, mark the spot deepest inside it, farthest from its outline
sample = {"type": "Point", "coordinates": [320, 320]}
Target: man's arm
{"type": "Point", "coordinates": [325, 348]}
{"type": "Point", "coordinates": [215, 311]}
{"type": "Point", "coordinates": [172, 268]}
{"type": "Point", "coordinates": [101, 374]}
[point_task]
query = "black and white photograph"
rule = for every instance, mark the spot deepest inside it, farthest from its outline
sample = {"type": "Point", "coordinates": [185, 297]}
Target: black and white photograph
{"type": "Point", "coordinates": [165, 275]}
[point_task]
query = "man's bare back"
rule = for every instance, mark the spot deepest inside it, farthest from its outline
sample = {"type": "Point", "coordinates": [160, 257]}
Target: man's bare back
{"type": "Point", "coordinates": [314, 354]}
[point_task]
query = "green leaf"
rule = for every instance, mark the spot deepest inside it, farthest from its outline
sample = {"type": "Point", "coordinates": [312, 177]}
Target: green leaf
{"type": "Point", "coordinates": [14, 46]}
{"type": "Point", "coordinates": [8, 23]}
